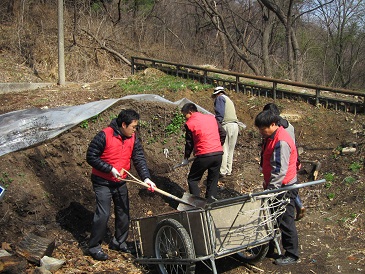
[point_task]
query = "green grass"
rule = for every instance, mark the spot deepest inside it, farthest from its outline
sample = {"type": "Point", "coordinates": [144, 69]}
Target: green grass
{"type": "Point", "coordinates": [167, 82]}
{"type": "Point", "coordinates": [355, 167]}
{"type": "Point", "coordinates": [5, 179]}
{"type": "Point", "coordinates": [176, 124]}
{"type": "Point", "coordinates": [330, 177]}
{"type": "Point", "coordinates": [349, 180]}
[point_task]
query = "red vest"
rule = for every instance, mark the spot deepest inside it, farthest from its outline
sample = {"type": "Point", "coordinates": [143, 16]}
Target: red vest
{"type": "Point", "coordinates": [280, 135]}
{"type": "Point", "coordinates": [205, 133]}
{"type": "Point", "coordinates": [117, 153]}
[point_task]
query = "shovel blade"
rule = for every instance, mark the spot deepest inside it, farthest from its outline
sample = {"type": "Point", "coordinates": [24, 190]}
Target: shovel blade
{"type": "Point", "coordinates": [190, 202]}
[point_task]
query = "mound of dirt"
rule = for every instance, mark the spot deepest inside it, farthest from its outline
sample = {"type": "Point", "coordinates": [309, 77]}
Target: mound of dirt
{"type": "Point", "coordinates": [49, 190]}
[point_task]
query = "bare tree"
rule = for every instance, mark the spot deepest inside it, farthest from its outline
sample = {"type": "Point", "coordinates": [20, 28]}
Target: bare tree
{"type": "Point", "coordinates": [288, 12]}
{"type": "Point", "coordinates": [233, 22]}
{"type": "Point", "coordinates": [343, 21]}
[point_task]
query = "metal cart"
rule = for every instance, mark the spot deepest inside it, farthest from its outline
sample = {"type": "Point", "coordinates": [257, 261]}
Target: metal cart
{"type": "Point", "coordinates": [242, 225]}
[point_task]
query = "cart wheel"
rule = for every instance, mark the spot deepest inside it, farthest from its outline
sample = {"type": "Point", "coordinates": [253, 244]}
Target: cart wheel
{"type": "Point", "coordinates": [253, 255]}
{"type": "Point", "coordinates": [171, 240]}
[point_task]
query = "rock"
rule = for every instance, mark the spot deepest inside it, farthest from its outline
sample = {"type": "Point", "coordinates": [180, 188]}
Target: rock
{"type": "Point", "coordinates": [4, 253]}
{"type": "Point", "coordinates": [34, 247]}
{"type": "Point", "coordinates": [41, 270]}
{"type": "Point", "coordinates": [348, 150]}
{"type": "Point", "coordinates": [51, 264]}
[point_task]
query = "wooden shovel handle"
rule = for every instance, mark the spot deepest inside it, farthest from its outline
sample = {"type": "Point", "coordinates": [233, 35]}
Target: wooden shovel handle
{"type": "Point", "coordinates": [136, 180]}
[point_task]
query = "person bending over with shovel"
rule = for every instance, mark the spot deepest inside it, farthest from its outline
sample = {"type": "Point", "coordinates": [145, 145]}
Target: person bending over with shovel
{"type": "Point", "coordinates": [204, 136]}
{"type": "Point", "coordinates": [110, 152]}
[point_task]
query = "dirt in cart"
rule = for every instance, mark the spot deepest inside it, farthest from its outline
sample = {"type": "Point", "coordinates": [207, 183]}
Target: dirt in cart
{"type": "Point", "coordinates": [49, 190]}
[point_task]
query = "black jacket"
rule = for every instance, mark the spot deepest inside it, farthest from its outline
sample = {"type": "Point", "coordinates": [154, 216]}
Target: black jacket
{"type": "Point", "coordinates": [96, 149]}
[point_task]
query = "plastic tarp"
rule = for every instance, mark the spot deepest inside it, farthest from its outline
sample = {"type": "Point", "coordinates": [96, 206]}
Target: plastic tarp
{"type": "Point", "coordinates": [24, 128]}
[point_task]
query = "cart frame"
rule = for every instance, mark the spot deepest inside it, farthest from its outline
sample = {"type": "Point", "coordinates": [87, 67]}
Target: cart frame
{"type": "Point", "coordinates": [178, 239]}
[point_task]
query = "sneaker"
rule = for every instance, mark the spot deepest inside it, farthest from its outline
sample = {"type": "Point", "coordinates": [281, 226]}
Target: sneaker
{"type": "Point", "coordinates": [100, 256]}
{"type": "Point", "coordinates": [221, 175]}
{"type": "Point", "coordinates": [286, 260]}
{"type": "Point", "coordinates": [300, 213]}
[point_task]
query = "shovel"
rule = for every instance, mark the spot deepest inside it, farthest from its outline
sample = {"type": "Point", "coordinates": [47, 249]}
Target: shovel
{"type": "Point", "coordinates": [180, 165]}
{"type": "Point", "coordinates": [166, 168]}
{"type": "Point", "coordinates": [188, 201]}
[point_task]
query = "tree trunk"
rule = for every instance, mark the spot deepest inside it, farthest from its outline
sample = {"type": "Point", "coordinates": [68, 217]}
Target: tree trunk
{"type": "Point", "coordinates": [268, 27]}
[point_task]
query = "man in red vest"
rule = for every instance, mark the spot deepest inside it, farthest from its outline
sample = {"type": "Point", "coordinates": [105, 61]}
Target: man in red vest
{"type": "Point", "coordinates": [290, 129]}
{"type": "Point", "coordinates": [204, 137]}
{"type": "Point", "coordinates": [110, 151]}
{"type": "Point", "coordinates": [279, 158]}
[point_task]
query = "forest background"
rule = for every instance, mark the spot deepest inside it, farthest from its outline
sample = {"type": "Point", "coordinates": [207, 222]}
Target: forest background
{"type": "Point", "coordinates": [48, 186]}
{"type": "Point", "coordinates": [317, 41]}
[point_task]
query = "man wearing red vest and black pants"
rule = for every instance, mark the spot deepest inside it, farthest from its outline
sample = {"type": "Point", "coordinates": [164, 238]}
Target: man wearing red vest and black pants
{"type": "Point", "coordinates": [279, 158]}
{"type": "Point", "coordinates": [204, 137]}
{"type": "Point", "coordinates": [112, 150]}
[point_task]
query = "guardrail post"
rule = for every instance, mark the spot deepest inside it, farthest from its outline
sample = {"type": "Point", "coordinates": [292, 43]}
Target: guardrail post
{"type": "Point", "coordinates": [237, 83]}
{"type": "Point", "coordinates": [318, 91]}
{"type": "Point", "coordinates": [132, 66]}
{"type": "Point", "coordinates": [205, 76]}
{"type": "Point", "coordinates": [274, 87]}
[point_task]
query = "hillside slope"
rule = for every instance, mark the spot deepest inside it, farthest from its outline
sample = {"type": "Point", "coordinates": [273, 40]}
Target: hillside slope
{"type": "Point", "coordinates": [49, 190]}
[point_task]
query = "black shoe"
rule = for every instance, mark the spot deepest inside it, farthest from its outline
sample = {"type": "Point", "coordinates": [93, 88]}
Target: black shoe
{"type": "Point", "coordinates": [126, 250]}
{"type": "Point", "coordinates": [123, 249]}
{"type": "Point", "coordinates": [272, 255]}
{"type": "Point", "coordinates": [286, 260]}
{"type": "Point", "coordinates": [100, 256]}
{"type": "Point", "coordinates": [300, 213]}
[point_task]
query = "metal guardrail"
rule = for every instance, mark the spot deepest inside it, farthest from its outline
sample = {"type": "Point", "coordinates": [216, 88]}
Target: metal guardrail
{"type": "Point", "coordinates": [338, 99]}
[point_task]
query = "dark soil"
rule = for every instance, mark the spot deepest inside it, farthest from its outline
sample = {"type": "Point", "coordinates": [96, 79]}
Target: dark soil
{"type": "Point", "coordinates": [49, 190]}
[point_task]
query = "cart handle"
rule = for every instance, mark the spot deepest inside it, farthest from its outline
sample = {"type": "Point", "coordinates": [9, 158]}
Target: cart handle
{"type": "Point", "coordinates": [248, 196]}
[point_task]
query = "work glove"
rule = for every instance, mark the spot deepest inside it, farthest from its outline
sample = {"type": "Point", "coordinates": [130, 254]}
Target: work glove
{"type": "Point", "coordinates": [299, 165]}
{"type": "Point", "coordinates": [115, 173]}
{"type": "Point", "coordinates": [151, 184]}
{"type": "Point", "coordinates": [184, 162]}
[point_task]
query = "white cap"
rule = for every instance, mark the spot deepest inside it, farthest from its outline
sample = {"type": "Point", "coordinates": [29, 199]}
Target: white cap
{"type": "Point", "coordinates": [218, 90]}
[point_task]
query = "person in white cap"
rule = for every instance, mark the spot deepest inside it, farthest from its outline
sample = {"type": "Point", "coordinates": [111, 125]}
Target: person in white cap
{"type": "Point", "coordinates": [225, 113]}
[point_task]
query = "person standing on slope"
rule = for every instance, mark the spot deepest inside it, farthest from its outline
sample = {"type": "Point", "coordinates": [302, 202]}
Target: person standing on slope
{"type": "Point", "coordinates": [290, 129]}
{"type": "Point", "coordinates": [204, 137]}
{"type": "Point", "coordinates": [109, 152]}
{"type": "Point", "coordinates": [225, 113]}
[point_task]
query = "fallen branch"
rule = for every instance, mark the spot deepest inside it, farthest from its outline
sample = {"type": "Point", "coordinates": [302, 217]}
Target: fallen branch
{"type": "Point", "coordinates": [103, 46]}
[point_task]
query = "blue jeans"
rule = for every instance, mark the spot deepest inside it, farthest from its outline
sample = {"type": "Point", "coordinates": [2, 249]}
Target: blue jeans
{"type": "Point", "coordinates": [298, 202]}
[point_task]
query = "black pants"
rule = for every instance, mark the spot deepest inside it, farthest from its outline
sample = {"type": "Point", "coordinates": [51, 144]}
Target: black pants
{"type": "Point", "coordinates": [286, 221]}
{"type": "Point", "coordinates": [199, 166]}
{"type": "Point", "coordinates": [104, 196]}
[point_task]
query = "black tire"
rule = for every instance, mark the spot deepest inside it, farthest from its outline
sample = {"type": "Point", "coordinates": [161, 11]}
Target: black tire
{"type": "Point", "coordinates": [171, 240]}
{"type": "Point", "coordinates": [253, 255]}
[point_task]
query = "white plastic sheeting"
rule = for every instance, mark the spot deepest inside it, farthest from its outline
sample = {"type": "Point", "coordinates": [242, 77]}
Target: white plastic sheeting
{"type": "Point", "coordinates": [24, 128]}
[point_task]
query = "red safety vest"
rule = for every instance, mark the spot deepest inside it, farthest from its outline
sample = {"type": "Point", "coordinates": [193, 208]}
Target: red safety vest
{"type": "Point", "coordinates": [205, 133]}
{"type": "Point", "coordinates": [280, 135]}
{"type": "Point", "coordinates": [117, 152]}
